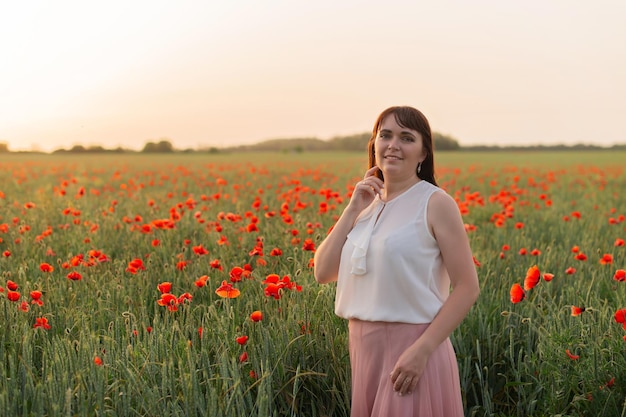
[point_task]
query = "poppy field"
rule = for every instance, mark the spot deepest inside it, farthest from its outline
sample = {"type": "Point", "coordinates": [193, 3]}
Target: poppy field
{"type": "Point", "coordinates": [182, 285]}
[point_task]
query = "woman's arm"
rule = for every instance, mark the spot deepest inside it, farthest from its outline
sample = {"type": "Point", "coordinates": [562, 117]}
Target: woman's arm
{"type": "Point", "coordinates": [447, 226]}
{"type": "Point", "coordinates": [328, 253]}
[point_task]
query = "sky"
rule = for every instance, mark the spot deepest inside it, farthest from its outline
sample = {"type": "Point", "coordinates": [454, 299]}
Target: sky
{"type": "Point", "coordinates": [205, 73]}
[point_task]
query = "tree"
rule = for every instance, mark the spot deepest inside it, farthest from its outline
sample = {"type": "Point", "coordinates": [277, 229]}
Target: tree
{"type": "Point", "coordinates": [77, 149]}
{"type": "Point", "coordinates": [443, 142]}
{"type": "Point", "coordinates": [164, 146]}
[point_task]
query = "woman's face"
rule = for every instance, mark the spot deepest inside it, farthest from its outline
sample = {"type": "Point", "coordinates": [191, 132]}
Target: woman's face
{"type": "Point", "coordinates": [398, 149]}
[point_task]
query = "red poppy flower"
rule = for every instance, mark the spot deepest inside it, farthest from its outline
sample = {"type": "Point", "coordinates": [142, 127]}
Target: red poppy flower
{"type": "Point", "coordinates": [13, 295]}
{"type": "Point", "coordinates": [226, 290]}
{"type": "Point", "coordinates": [570, 271]}
{"type": "Point", "coordinates": [74, 276]}
{"type": "Point", "coordinates": [517, 293]}
{"type": "Point", "coordinates": [77, 260]}
{"type": "Point", "coordinates": [272, 290]}
{"type": "Point", "coordinates": [577, 311]}
{"type": "Point", "coordinates": [97, 361]}
{"type": "Point", "coordinates": [41, 322]}
{"type": "Point", "coordinates": [235, 274]}
{"type": "Point", "coordinates": [308, 245]}
{"type": "Point", "coordinates": [164, 287]}
{"type": "Point", "coordinates": [242, 340]}
{"type": "Point", "coordinates": [276, 252]}
{"type": "Point", "coordinates": [548, 276]}
{"type": "Point", "coordinates": [256, 251]}
{"type": "Point", "coordinates": [580, 256]}
{"type": "Point", "coordinates": [168, 300]}
{"type": "Point", "coordinates": [522, 251]}
{"type": "Point", "coordinates": [620, 316]}
{"type": "Point", "coordinates": [45, 267]}
{"type": "Point", "coordinates": [199, 250]}
{"type": "Point", "coordinates": [12, 285]}
{"type": "Point", "coordinates": [620, 275]}
{"type": "Point", "coordinates": [532, 277]}
{"type": "Point", "coordinates": [201, 282]}
{"type": "Point", "coordinates": [24, 307]}
{"type": "Point", "coordinates": [36, 297]}
{"type": "Point", "coordinates": [185, 297]}
{"type": "Point", "coordinates": [606, 259]}
{"type": "Point", "coordinates": [575, 249]}
{"type": "Point", "coordinates": [215, 264]}
{"type": "Point", "coordinates": [243, 357]}
{"type": "Point", "coordinates": [619, 242]}
{"type": "Point", "coordinates": [135, 265]}
{"type": "Point", "coordinates": [271, 279]}
{"type": "Point", "coordinates": [256, 316]}
{"type": "Point", "coordinates": [535, 252]}
{"type": "Point", "coordinates": [609, 383]}
{"type": "Point", "coordinates": [571, 355]}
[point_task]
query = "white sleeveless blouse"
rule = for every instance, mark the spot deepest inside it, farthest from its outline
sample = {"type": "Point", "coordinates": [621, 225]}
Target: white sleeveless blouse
{"type": "Point", "coordinates": [391, 268]}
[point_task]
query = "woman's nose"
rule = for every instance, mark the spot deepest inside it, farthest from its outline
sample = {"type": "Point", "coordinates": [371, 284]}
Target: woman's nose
{"type": "Point", "coordinates": [393, 143]}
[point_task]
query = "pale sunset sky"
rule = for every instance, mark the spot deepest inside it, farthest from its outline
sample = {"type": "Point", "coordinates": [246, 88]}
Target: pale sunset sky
{"type": "Point", "coordinates": [217, 73]}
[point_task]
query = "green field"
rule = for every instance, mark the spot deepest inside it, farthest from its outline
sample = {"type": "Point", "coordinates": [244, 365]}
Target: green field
{"type": "Point", "coordinates": [86, 242]}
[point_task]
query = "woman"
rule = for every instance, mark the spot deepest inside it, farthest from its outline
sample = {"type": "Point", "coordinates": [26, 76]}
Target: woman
{"type": "Point", "coordinates": [395, 252]}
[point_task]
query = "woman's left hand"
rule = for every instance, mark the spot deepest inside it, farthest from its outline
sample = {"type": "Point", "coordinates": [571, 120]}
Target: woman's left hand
{"type": "Point", "coordinates": [409, 369]}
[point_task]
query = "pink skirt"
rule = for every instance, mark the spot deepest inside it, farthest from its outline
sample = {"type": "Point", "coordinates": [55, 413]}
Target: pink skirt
{"type": "Point", "coordinates": [374, 349]}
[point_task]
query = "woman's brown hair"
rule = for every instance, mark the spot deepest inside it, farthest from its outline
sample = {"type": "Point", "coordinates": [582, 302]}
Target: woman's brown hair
{"type": "Point", "coordinates": [410, 118]}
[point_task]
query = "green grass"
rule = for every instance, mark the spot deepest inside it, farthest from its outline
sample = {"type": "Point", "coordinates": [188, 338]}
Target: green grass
{"type": "Point", "coordinates": [155, 362]}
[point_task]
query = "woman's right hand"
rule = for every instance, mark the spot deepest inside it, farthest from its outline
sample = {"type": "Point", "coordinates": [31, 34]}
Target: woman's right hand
{"type": "Point", "coordinates": [366, 190]}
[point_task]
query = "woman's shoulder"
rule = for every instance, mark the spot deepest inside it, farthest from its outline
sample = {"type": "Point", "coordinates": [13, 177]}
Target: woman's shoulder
{"type": "Point", "coordinates": [442, 208]}
{"type": "Point", "coordinates": [440, 199]}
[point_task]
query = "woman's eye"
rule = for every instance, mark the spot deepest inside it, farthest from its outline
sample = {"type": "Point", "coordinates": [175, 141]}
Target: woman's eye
{"type": "Point", "coordinates": [407, 139]}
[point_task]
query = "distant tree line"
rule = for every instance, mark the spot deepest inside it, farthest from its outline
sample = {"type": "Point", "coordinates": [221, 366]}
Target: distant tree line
{"type": "Point", "coordinates": [163, 146]}
{"type": "Point", "coordinates": [356, 142]}
{"type": "Point", "coordinates": [557, 147]}
{"type": "Point", "coordinates": [91, 149]}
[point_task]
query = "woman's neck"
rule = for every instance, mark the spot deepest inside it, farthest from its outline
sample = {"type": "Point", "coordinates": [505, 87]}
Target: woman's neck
{"type": "Point", "coordinates": [394, 188]}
